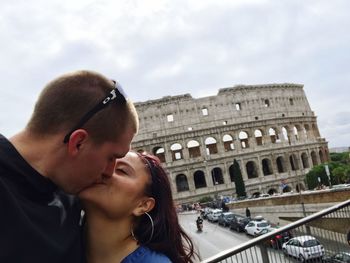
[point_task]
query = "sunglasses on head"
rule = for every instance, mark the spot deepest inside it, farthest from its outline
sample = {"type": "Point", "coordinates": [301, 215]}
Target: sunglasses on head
{"type": "Point", "coordinates": [117, 94]}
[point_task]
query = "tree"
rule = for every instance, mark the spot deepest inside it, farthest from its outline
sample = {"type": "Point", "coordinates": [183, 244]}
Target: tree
{"type": "Point", "coordinates": [239, 183]}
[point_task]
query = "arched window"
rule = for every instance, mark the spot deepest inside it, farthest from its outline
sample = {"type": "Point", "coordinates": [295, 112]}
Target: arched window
{"type": "Point", "coordinates": [266, 166]}
{"type": "Point", "coordinates": [273, 135]}
{"type": "Point", "coordinates": [243, 137]}
{"type": "Point", "coordinates": [228, 143]}
{"type": "Point", "coordinates": [193, 149]}
{"type": "Point", "coordinates": [258, 137]}
{"type": "Point", "coordinates": [281, 164]}
{"type": "Point", "coordinates": [314, 158]}
{"type": "Point", "coordinates": [176, 151]}
{"type": "Point", "coordinates": [321, 156]}
{"type": "Point", "coordinates": [285, 134]}
{"type": "Point", "coordinates": [210, 146]}
{"type": "Point", "coordinates": [267, 103]}
{"type": "Point", "coordinates": [199, 179]}
{"type": "Point", "coordinates": [295, 131]}
{"type": "Point", "coordinates": [216, 175]}
{"type": "Point", "coordinates": [305, 160]}
{"type": "Point", "coordinates": [160, 153]}
{"type": "Point", "coordinates": [294, 164]}
{"type": "Point", "coordinates": [251, 170]}
{"type": "Point", "coordinates": [181, 183]}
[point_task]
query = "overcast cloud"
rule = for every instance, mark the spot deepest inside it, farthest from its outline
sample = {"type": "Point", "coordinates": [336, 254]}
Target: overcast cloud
{"type": "Point", "coordinates": [160, 48]}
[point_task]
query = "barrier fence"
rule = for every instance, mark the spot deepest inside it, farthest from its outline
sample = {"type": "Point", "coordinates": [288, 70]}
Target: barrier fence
{"type": "Point", "coordinates": [320, 237]}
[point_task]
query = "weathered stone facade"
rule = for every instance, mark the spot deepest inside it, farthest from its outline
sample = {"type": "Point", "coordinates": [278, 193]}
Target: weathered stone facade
{"type": "Point", "coordinates": [269, 129]}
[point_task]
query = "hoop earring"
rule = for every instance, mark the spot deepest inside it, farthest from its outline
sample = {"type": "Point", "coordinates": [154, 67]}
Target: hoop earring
{"type": "Point", "coordinates": [152, 224]}
{"type": "Point", "coordinates": [133, 235]}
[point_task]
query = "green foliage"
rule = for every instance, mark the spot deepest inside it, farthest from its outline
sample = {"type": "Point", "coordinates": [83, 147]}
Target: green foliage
{"type": "Point", "coordinates": [205, 199]}
{"type": "Point", "coordinates": [240, 187]}
{"type": "Point", "coordinates": [339, 168]}
{"type": "Point", "coordinates": [340, 157]}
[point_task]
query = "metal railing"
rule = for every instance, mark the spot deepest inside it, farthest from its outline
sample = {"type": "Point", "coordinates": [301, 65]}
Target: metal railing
{"type": "Point", "coordinates": [329, 227]}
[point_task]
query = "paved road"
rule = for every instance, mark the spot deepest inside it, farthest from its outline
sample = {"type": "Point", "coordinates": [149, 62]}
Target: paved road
{"type": "Point", "coordinates": [213, 239]}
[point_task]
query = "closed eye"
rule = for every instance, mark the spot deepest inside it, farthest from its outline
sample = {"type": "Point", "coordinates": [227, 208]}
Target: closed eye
{"type": "Point", "coordinates": [120, 171]}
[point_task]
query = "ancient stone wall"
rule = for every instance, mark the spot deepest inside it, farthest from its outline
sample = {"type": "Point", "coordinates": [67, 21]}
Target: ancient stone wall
{"type": "Point", "coordinates": [269, 129]}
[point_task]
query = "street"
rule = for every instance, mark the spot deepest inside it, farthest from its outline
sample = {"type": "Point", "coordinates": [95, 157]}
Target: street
{"type": "Point", "coordinates": [213, 239]}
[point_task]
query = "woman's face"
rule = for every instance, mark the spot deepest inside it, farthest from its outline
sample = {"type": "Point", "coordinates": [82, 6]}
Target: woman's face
{"type": "Point", "coordinates": [123, 193]}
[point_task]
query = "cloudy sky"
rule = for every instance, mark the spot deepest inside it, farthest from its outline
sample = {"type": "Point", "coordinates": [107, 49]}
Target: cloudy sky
{"type": "Point", "coordinates": [159, 48]}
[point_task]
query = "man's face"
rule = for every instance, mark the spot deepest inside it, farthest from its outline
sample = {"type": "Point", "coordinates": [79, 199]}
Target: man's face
{"type": "Point", "coordinates": [96, 162]}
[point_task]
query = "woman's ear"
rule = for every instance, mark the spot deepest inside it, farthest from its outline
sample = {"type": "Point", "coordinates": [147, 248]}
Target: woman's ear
{"type": "Point", "coordinates": [146, 205]}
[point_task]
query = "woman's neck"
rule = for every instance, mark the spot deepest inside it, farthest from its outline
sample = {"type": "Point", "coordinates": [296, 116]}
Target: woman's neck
{"type": "Point", "coordinates": [108, 241]}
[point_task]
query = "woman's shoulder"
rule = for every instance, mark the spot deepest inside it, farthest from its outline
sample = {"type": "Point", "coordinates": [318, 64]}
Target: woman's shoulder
{"type": "Point", "coordinates": [145, 255]}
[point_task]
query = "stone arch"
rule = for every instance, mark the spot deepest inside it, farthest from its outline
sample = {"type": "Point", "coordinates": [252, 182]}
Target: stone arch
{"type": "Point", "coordinates": [258, 137]}
{"type": "Point", "coordinates": [244, 137]}
{"type": "Point", "coordinates": [193, 149]}
{"type": "Point", "coordinates": [266, 103]}
{"type": "Point", "coordinates": [281, 166]}
{"type": "Point", "coordinates": [314, 158]}
{"type": "Point", "coordinates": [322, 159]}
{"type": "Point", "coordinates": [272, 191]}
{"type": "Point", "coordinates": [228, 142]}
{"type": "Point", "coordinates": [266, 166]}
{"type": "Point", "coordinates": [307, 130]}
{"type": "Point", "coordinates": [305, 160]}
{"type": "Point", "coordinates": [326, 154]}
{"type": "Point", "coordinates": [231, 171]}
{"type": "Point", "coordinates": [251, 169]}
{"type": "Point", "coordinates": [211, 146]}
{"type": "Point", "coordinates": [273, 135]}
{"type": "Point", "coordinates": [176, 151]}
{"type": "Point", "coordinates": [315, 131]}
{"type": "Point", "coordinates": [160, 153]}
{"type": "Point", "coordinates": [256, 194]}
{"type": "Point", "coordinates": [216, 175]}
{"type": "Point", "coordinates": [285, 134]}
{"type": "Point", "coordinates": [181, 183]}
{"type": "Point", "coordinates": [293, 160]}
{"type": "Point", "coordinates": [296, 133]}
{"type": "Point", "coordinates": [299, 187]}
{"type": "Point", "coordinates": [199, 179]}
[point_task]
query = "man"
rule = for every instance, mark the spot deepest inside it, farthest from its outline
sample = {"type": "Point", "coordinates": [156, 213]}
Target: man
{"type": "Point", "coordinates": [247, 212]}
{"type": "Point", "coordinates": [81, 123]}
{"type": "Point", "coordinates": [199, 223]}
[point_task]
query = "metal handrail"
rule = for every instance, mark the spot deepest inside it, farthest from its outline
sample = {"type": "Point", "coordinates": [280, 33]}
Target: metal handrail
{"type": "Point", "coordinates": [232, 251]}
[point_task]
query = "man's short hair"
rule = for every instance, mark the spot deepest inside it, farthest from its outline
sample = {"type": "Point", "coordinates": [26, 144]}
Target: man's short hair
{"type": "Point", "coordinates": [66, 99]}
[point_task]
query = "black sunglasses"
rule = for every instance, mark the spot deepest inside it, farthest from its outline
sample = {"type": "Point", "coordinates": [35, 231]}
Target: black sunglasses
{"type": "Point", "coordinates": [117, 94]}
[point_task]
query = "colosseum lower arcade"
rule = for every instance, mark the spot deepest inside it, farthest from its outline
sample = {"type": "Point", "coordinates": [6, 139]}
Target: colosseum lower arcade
{"type": "Point", "coordinates": [269, 129]}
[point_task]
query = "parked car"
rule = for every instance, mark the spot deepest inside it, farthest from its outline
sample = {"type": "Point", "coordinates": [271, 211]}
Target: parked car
{"type": "Point", "coordinates": [225, 218]}
{"type": "Point", "coordinates": [341, 257]}
{"type": "Point", "coordinates": [254, 228]}
{"type": "Point", "coordinates": [277, 240]}
{"type": "Point", "coordinates": [205, 212]}
{"type": "Point", "coordinates": [214, 215]}
{"type": "Point", "coordinates": [238, 223]}
{"type": "Point", "coordinates": [303, 248]}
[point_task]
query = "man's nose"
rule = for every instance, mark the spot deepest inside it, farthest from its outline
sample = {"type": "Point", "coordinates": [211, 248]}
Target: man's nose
{"type": "Point", "coordinates": [108, 172]}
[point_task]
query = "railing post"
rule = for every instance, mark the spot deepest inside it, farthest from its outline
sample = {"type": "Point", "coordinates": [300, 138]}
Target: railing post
{"type": "Point", "coordinates": [264, 254]}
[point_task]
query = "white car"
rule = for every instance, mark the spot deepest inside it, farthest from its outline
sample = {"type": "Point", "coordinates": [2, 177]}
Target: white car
{"type": "Point", "coordinates": [214, 214]}
{"type": "Point", "coordinates": [254, 228]}
{"type": "Point", "coordinates": [303, 248]}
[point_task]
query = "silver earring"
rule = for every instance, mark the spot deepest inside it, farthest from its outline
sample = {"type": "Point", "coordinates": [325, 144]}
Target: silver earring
{"type": "Point", "coordinates": [133, 235]}
{"type": "Point", "coordinates": [152, 224]}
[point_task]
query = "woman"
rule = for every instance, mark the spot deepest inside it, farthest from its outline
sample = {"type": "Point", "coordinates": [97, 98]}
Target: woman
{"type": "Point", "coordinates": [131, 217]}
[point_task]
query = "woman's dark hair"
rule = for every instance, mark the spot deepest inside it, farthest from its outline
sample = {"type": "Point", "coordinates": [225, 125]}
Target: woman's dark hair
{"type": "Point", "coordinates": [169, 237]}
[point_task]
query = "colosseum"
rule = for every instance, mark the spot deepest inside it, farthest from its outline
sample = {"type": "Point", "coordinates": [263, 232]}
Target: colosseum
{"type": "Point", "coordinates": [269, 129]}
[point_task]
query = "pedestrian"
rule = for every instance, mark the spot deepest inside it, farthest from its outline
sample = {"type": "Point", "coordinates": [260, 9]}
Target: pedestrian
{"type": "Point", "coordinates": [247, 212]}
{"type": "Point", "coordinates": [81, 123]}
{"type": "Point", "coordinates": [130, 217]}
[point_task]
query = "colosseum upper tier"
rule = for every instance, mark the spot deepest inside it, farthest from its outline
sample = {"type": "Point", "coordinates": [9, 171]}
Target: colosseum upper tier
{"type": "Point", "coordinates": [269, 129]}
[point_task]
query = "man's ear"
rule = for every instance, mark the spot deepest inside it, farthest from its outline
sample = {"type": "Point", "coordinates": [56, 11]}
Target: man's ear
{"type": "Point", "coordinates": [77, 140]}
{"type": "Point", "coordinates": [144, 206]}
